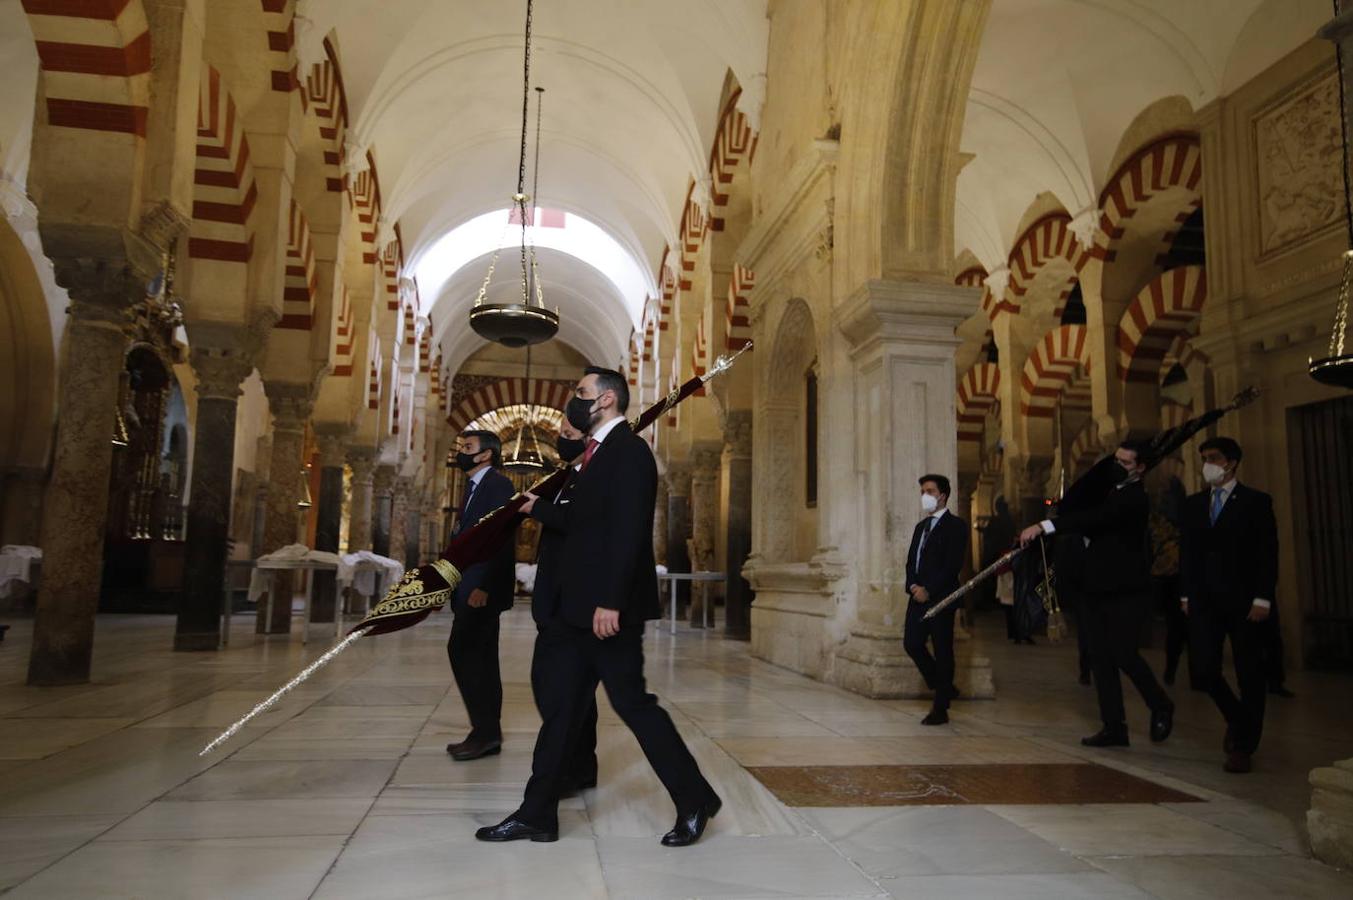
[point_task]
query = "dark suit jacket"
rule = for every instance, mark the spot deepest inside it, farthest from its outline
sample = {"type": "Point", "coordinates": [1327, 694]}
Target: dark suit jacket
{"type": "Point", "coordinates": [1229, 565]}
{"type": "Point", "coordinates": [607, 526]}
{"type": "Point", "coordinates": [495, 575]}
{"type": "Point", "coordinates": [549, 554]}
{"type": "Point", "coordinates": [943, 557]}
{"type": "Point", "coordinates": [1116, 562]}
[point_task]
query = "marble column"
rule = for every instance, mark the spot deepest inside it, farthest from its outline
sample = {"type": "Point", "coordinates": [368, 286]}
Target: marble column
{"type": "Point", "coordinates": [660, 524]}
{"type": "Point", "coordinates": [76, 505]}
{"type": "Point", "coordinates": [291, 405]}
{"type": "Point", "coordinates": [679, 524]}
{"type": "Point", "coordinates": [362, 462]}
{"type": "Point", "coordinates": [737, 489]}
{"type": "Point", "coordinates": [902, 342]}
{"type": "Point", "coordinates": [220, 372]}
{"type": "Point", "coordinates": [705, 461]}
{"type": "Point", "coordinates": [399, 518]}
{"type": "Point", "coordinates": [383, 483]}
{"type": "Point", "coordinates": [332, 451]}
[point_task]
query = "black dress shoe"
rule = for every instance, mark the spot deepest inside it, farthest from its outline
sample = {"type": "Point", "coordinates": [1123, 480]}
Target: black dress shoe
{"type": "Point", "coordinates": [936, 717]}
{"type": "Point", "coordinates": [475, 749]}
{"type": "Point", "coordinates": [1106, 738]}
{"type": "Point", "coordinates": [1162, 723]}
{"type": "Point", "coordinates": [689, 827]}
{"type": "Point", "coordinates": [452, 748]}
{"type": "Point", "coordinates": [513, 829]}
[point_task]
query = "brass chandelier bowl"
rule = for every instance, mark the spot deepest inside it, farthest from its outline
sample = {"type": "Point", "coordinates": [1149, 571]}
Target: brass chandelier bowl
{"type": "Point", "coordinates": [514, 324]}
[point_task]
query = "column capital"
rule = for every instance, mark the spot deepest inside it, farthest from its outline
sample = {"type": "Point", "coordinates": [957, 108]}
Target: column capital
{"type": "Point", "coordinates": [678, 478]}
{"type": "Point", "coordinates": [919, 314]}
{"type": "Point", "coordinates": [291, 404]}
{"type": "Point", "coordinates": [333, 444]}
{"type": "Point", "coordinates": [705, 458]}
{"type": "Point", "coordinates": [362, 461]}
{"type": "Point", "coordinates": [384, 479]}
{"type": "Point", "coordinates": [102, 291]}
{"type": "Point", "coordinates": [220, 371]}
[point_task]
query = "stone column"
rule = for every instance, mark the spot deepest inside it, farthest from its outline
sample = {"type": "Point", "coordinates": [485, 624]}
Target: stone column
{"type": "Point", "coordinates": [361, 461]}
{"type": "Point", "coordinates": [332, 451]}
{"type": "Point", "coordinates": [291, 405]}
{"type": "Point", "coordinates": [76, 505]}
{"type": "Point", "coordinates": [660, 524]}
{"type": "Point", "coordinates": [705, 458]}
{"type": "Point", "coordinates": [220, 372]}
{"type": "Point", "coordinates": [737, 487]}
{"type": "Point", "coordinates": [902, 342]}
{"type": "Point", "coordinates": [679, 524]}
{"type": "Point", "coordinates": [399, 518]}
{"type": "Point", "coordinates": [383, 483]}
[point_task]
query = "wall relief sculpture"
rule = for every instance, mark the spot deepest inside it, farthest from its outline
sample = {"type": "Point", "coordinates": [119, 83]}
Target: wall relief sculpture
{"type": "Point", "coordinates": [1297, 148]}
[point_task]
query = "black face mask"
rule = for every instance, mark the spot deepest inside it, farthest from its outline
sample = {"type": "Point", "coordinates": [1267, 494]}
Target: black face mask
{"type": "Point", "coordinates": [466, 461]}
{"type": "Point", "coordinates": [579, 414]}
{"type": "Point", "coordinates": [570, 448]}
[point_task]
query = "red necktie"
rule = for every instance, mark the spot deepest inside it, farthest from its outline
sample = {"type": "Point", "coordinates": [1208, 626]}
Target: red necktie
{"type": "Point", "coordinates": [592, 445]}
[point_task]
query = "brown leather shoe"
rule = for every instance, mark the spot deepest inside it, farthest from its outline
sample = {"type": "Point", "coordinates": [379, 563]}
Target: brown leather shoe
{"type": "Point", "coordinates": [475, 749]}
{"type": "Point", "coordinates": [1238, 763]}
{"type": "Point", "coordinates": [452, 748]}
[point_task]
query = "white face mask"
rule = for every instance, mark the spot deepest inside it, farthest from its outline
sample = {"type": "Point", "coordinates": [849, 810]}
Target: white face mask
{"type": "Point", "coordinates": [1213, 474]}
{"type": "Point", "coordinates": [929, 503]}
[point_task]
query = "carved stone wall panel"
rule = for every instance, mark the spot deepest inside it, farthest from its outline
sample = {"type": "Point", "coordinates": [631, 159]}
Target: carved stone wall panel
{"type": "Point", "coordinates": [1297, 153]}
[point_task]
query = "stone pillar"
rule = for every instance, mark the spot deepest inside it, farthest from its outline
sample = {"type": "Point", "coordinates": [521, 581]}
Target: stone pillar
{"type": "Point", "coordinates": [220, 372]}
{"type": "Point", "coordinates": [332, 450]}
{"type": "Point", "coordinates": [361, 461]}
{"type": "Point", "coordinates": [399, 518]}
{"type": "Point", "coordinates": [704, 523]}
{"type": "Point", "coordinates": [902, 343]}
{"type": "Point", "coordinates": [383, 483]}
{"type": "Point", "coordinates": [76, 505]}
{"type": "Point", "coordinates": [660, 524]}
{"type": "Point", "coordinates": [291, 405]}
{"type": "Point", "coordinates": [737, 488]}
{"type": "Point", "coordinates": [679, 523]}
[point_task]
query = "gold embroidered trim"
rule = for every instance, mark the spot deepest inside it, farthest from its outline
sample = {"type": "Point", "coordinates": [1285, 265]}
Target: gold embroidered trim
{"type": "Point", "coordinates": [447, 571]}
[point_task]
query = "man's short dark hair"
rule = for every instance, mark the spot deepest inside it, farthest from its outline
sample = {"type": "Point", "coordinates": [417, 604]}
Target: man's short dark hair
{"type": "Point", "coordinates": [1139, 449]}
{"type": "Point", "coordinates": [611, 380]}
{"type": "Point", "coordinates": [1227, 447]}
{"type": "Point", "coordinates": [488, 441]}
{"type": "Point", "coordinates": [941, 482]}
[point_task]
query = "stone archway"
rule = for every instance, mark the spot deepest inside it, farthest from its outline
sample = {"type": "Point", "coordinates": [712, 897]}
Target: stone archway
{"type": "Point", "coordinates": [787, 521]}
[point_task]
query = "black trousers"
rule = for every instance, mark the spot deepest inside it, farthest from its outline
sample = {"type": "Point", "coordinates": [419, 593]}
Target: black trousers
{"type": "Point", "coordinates": [1113, 622]}
{"type": "Point", "coordinates": [1275, 670]}
{"type": "Point", "coordinates": [473, 651]}
{"type": "Point", "coordinates": [575, 661]}
{"type": "Point", "coordinates": [937, 670]}
{"type": "Point", "coordinates": [1176, 622]}
{"type": "Point", "coordinates": [1212, 627]}
{"type": "Point", "coordinates": [581, 765]}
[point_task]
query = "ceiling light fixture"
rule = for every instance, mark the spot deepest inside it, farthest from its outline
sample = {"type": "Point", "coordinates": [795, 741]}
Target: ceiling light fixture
{"type": "Point", "coordinates": [525, 323]}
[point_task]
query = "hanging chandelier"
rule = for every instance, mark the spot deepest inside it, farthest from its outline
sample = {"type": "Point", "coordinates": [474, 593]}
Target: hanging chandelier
{"type": "Point", "coordinates": [528, 322]}
{"type": "Point", "coordinates": [1336, 367]}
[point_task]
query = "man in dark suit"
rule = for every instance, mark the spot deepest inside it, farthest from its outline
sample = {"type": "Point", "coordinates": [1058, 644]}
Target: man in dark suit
{"type": "Point", "coordinates": [933, 563]}
{"type": "Point", "coordinates": [485, 590]}
{"type": "Point", "coordinates": [1117, 596]}
{"type": "Point", "coordinates": [606, 590]}
{"type": "Point", "coordinates": [581, 772]}
{"type": "Point", "coordinates": [1230, 574]}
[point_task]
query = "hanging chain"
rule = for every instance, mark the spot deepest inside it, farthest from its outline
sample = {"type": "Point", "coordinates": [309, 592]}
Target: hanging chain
{"type": "Point", "coordinates": [1341, 309]}
{"type": "Point", "coordinates": [535, 202]}
{"type": "Point", "coordinates": [521, 160]}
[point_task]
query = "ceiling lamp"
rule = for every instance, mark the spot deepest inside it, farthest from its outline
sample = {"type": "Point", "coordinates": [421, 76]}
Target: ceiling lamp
{"type": "Point", "coordinates": [1336, 368]}
{"type": "Point", "coordinates": [525, 323]}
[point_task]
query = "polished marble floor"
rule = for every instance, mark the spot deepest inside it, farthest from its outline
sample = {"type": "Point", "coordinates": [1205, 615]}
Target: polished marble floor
{"type": "Point", "coordinates": [344, 790]}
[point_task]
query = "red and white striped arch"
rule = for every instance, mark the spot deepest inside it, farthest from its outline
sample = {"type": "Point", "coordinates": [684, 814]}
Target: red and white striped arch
{"type": "Point", "coordinates": [669, 289]}
{"type": "Point", "coordinates": [1085, 450]}
{"type": "Point", "coordinates": [1183, 352]}
{"type": "Point", "coordinates": [694, 227]}
{"type": "Point", "coordinates": [976, 396]}
{"type": "Point", "coordinates": [324, 88]}
{"type": "Point", "coordinates": [408, 334]}
{"type": "Point", "coordinates": [424, 351]}
{"type": "Point", "coordinates": [650, 334]}
{"type": "Point", "coordinates": [373, 382]}
{"type": "Point", "coordinates": [343, 336]}
{"type": "Point", "coordinates": [1051, 367]}
{"type": "Point", "coordinates": [1160, 312]}
{"type": "Point", "coordinates": [509, 392]}
{"type": "Point", "coordinates": [1175, 160]}
{"type": "Point", "coordinates": [298, 289]}
{"type": "Point", "coordinates": [364, 192]}
{"type": "Point", "coordinates": [674, 382]}
{"type": "Point", "coordinates": [633, 353]}
{"type": "Point", "coordinates": [224, 191]}
{"type": "Point", "coordinates": [279, 20]}
{"type": "Point", "coordinates": [95, 58]}
{"type": "Point", "coordinates": [391, 262]}
{"type": "Point", "coordinates": [738, 321]}
{"type": "Point", "coordinates": [976, 276]}
{"type": "Point", "coordinates": [1048, 239]}
{"type": "Point", "coordinates": [699, 351]}
{"type": "Point", "coordinates": [734, 145]}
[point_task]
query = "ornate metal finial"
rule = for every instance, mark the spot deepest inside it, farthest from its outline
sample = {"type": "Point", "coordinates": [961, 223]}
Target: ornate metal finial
{"type": "Point", "coordinates": [724, 363]}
